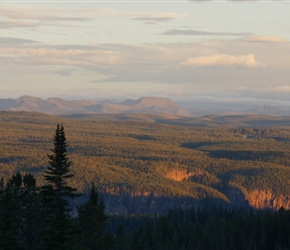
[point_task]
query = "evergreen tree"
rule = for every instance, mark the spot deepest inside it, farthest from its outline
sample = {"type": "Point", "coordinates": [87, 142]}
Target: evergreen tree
{"type": "Point", "coordinates": [19, 215]}
{"type": "Point", "coordinates": [59, 171]}
{"type": "Point", "coordinates": [92, 220]}
{"type": "Point", "coordinates": [30, 213]}
{"type": "Point", "coordinates": [58, 229]}
{"type": "Point", "coordinates": [10, 214]}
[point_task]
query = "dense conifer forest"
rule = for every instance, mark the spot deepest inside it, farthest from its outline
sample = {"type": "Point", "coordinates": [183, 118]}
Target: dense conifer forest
{"type": "Point", "coordinates": [39, 217]}
{"type": "Point", "coordinates": [155, 165]}
{"type": "Point", "coordinates": [214, 228]}
{"type": "Point", "coordinates": [34, 216]}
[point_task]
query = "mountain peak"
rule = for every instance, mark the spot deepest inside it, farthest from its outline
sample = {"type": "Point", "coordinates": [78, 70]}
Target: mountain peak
{"type": "Point", "coordinates": [154, 100]}
{"type": "Point", "coordinates": [28, 98]}
{"type": "Point", "coordinates": [154, 105]}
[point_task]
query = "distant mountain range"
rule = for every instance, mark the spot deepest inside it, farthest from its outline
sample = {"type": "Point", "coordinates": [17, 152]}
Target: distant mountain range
{"type": "Point", "coordinates": [267, 109]}
{"type": "Point", "coordinates": [148, 105]}
{"type": "Point", "coordinates": [143, 105]}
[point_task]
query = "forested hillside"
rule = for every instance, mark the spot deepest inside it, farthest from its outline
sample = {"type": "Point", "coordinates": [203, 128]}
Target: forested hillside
{"type": "Point", "coordinates": [141, 167]}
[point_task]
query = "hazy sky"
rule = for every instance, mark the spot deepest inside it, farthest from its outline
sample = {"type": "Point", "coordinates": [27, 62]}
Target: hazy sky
{"type": "Point", "coordinates": [120, 49]}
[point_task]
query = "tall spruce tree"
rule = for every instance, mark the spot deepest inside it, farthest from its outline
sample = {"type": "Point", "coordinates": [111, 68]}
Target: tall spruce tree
{"type": "Point", "coordinates": [59, 170]}
{"type": "Point", "coordinates": [58, 229]}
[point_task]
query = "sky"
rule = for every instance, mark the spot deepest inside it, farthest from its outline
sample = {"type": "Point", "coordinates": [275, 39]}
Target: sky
{"type": "Point", "coordinates": [221, 50]}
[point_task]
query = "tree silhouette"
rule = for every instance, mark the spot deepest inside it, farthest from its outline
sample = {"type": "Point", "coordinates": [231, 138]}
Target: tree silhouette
{"type": "Point", "coordinates": [58, 172]}
{"type": "Point", "coordinates": [59, 225]}
{"type": "Point", "coordinates": [92, 220]}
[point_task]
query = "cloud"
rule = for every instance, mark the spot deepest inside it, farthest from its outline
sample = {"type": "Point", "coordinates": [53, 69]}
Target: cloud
{"type": "Point", "coordinates": [245, 1]}
{"type": "Point", "coordinates": [151, 23]}
{"type": "Point", "coordinates": [50, 17]}
{"type": "Point", "coordinates": [17, 41]}
{"type": "Point", "coordinates": [34, 16]}
{"type": "Point", "coordinates": [281, 89]}
{"type": "Point", "coordinates": [202, 33]}
{"type": "Point", "coordinates": [280, 92]}
{"type": "Point", "coordinates": [142, 16]}
{"type": "Point", "coordinates": [264, 39]}
{"type": "Point", "coordinates": [23, 12]}
{"type": "Point", "coordinates": [50, 56]}
{"type": "Point", "coordinates": [158, 17]}
{"type": "Point", "coordinates": [159, 63]}
{"type": "Point", "coordinates": [64, 72]}
{"type": "Point", "coordinates": [221, 60]}
{"type": "Point", "coordinates": [18, 16]}
{"type": "Point", "coordinates": [15, 24]}
{"type": "Point", "coordinates": [39, 52]}
{"type": "Point", "coordinates": [155, 19]}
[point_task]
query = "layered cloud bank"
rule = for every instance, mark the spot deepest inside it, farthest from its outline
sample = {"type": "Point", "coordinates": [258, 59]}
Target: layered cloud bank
{"type": "Point", "coordinates": [109, 50]}
{"type": "Point", "coordinates": [222, 60]}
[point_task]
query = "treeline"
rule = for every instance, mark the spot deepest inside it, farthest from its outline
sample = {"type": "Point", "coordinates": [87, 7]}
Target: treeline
{"type": "Point", "coordinates": [216, 228]}
{"type": "Point", "coordinates": [32, 217]}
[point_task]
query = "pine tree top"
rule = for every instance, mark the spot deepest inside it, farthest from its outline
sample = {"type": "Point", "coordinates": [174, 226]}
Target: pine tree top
{"type": "Point", "coordinates": [59, 170]}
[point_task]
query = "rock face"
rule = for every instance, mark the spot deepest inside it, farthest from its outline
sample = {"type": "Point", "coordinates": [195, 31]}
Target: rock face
{"type": "Point", "coordinates": [258, 199]}
{"type": "Point", "coordinates": [181, 175]}
{"type": "Point", "coordinates": [262, 199]}
{"type": "Point", "coordinates": [197, 176]}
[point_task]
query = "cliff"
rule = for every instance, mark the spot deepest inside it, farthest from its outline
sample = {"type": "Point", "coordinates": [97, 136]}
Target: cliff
{"type": "Point", "coordinates": [262, 199]}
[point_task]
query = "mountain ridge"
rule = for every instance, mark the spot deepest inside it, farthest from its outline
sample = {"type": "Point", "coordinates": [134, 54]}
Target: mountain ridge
{"type": "Point", "coordinates": [143, 105]}
{"type": "Point", "coordinates": [57, 106]}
